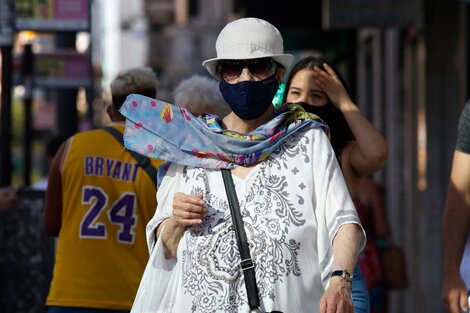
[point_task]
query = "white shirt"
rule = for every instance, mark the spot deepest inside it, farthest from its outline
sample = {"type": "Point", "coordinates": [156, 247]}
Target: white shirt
{"type": "Point", "coordinates": [292, 205]}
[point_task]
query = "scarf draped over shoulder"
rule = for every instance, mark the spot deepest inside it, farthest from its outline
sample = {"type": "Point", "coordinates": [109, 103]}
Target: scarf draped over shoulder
{"type": "Point", "coordinates": [158, 129]}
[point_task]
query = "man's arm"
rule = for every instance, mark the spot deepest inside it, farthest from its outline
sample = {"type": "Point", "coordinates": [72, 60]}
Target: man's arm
{"type": "Point", "coordinates": [456, 221]}
{"type": "Point", "coordinates": [53, 204]}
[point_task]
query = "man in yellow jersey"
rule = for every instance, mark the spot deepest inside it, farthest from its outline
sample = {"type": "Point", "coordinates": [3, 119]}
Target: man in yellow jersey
{"type": "Point", "coordinates": [98, 202]}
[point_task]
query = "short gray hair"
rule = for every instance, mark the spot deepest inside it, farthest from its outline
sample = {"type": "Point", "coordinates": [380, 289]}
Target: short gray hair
{"type": "Point", "coordinates": [139, 80]}
{"type": "Point", "coordinates": [200, 94]}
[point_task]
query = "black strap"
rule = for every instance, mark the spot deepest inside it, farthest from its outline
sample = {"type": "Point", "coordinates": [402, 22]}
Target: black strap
{"type": "Point", "coordinates": [142, 161]}
{"type": "Point", "coordinates": [246, 261]}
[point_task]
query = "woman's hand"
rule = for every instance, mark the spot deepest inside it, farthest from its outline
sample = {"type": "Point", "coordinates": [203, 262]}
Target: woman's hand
{"type": "Point", "coordinates": [337, 297]}
{"type": "Point", "coordinates": [188, 210]}
{"type": "Point", "coordinates": [369, 151]}
{"type": "Point", "coordinates": [329, 82]}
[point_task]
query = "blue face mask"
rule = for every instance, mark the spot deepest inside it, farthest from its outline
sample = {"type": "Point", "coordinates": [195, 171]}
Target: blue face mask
{"type": "Point", "coordinates": [249, 99]}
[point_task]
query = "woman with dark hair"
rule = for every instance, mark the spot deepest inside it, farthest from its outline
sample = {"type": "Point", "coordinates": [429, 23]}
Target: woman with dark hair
{"type": "Point", "coordinates": [359, 147]}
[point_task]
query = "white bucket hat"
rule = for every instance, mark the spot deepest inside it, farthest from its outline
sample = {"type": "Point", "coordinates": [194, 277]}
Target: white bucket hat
{"type": "Point", "coordinates": [248, 38]}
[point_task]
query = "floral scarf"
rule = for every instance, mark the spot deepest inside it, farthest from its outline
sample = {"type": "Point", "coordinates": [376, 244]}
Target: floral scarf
{"type": "Point", "coordinates": [159, 129]}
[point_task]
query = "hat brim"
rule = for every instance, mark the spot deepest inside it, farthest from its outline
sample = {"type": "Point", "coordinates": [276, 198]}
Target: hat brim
{"type": "Point", "coordinates": [211, 64]}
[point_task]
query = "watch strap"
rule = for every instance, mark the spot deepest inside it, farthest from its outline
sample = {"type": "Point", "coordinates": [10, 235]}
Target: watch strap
{"type": "Point", "coordinates": [346, 275]}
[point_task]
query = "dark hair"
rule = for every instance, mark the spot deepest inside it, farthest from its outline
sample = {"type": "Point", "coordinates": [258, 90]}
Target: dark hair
{"type": "Point", "coordinates": [340, 131]}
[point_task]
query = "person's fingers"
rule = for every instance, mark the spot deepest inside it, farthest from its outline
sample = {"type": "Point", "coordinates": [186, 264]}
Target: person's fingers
{"type": "Point", "coordinates": [343, 307]}
{"type": "Point", "coordinates": [331, 307]}
{"type": "Point", "coordinates": [324, 80]}
{"type": "Point", "coordinates": [464, 302]}
{"type": "Point", "coordinates": [193, 198]}
{"type": "Point", "coordinates": [189, 203]}
{"type": "Point", "coordinates": [188, 209]}
{"type": "Point", "coordinates": [329, 303]}
{"type": "Point", "coordinates": [321, 74]}
{"type": "Point", "coordinates": [344, 302]}
{"type": "Point", "coordinates": [187, 218]}
{"type": "Point", "coordinates": [322, 305]}
{"type": "Point", "coordinates": [452, 305]}
{"type": "Point", "coordinates": [328, 79]}
{"type": "Point", "coordinates": [330, 71]}
{"type": "Point", "coordinates": [445, 301]}
{"type": "Point", "coordinates": [349, 307]}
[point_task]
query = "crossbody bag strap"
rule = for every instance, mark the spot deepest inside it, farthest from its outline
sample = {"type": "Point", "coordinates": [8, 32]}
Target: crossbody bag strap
{"type": "Point", "coordinates": [246, 263]}
{"type": "Point", "coordinates": [142, 161]}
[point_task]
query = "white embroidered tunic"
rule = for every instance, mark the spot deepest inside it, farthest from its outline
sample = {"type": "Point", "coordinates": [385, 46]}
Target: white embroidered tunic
{"type": "Point", "coordinates": [292, 206]}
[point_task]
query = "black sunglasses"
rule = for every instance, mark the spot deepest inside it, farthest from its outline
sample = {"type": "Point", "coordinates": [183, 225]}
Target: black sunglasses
{"type": "Point", "coordinates": [261, 68]}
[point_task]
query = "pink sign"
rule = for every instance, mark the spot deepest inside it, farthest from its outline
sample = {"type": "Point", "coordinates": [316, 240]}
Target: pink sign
{"type": "Point", "coordinates": [53, 15]}
{"type": "Point", "coordinates": [62, 69]}
{"type": "Point", "coordinates": [71, 9]}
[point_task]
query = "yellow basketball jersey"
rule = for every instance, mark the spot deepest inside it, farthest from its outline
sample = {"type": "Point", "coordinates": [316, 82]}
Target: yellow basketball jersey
{"type": "Point", "coordinates": [107, 201]}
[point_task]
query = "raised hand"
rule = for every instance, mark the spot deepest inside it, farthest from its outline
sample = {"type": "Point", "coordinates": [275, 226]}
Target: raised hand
{"type": "Point", "coordinates": [188, 210]}
{"type": "Point", "coordinates": [329, 82]}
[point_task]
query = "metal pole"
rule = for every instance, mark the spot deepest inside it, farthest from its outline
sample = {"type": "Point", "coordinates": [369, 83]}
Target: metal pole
{"type": "Point", "coordinates": [67, 114]}
{"type": "Point", "coordinates": [27, 67]}
{"type": "Point", "coordinates": [5, 118]}
{"type": "Point", "coordinates": [6, 44]}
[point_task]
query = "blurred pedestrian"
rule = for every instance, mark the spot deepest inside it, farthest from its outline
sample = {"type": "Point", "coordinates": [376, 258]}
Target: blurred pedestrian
{"type": "Point", "coordinates": [200, 94]}
{"type": "Point", "coordinates": [456, 222]}
{"type": "Point", "coordinates": [301, 225]}
{"type": "Point", "coordinates": [99, 199]}
{"type": "Point", "coordinates": [358, 145]}
{"type": "Point", "coordinates": [370, 205]}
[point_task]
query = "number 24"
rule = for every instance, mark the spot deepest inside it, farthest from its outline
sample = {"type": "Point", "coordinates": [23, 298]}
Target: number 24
{"type": "Point", "coordinates": [121, 213]}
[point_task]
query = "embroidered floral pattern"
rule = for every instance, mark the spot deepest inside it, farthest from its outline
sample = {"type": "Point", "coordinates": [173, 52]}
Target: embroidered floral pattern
{"type": "Point", "coordinates": [211, 264]}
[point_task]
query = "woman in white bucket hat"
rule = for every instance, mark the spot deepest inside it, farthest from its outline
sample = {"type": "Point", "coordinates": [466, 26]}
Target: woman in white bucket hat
{"type": "Point", "coordinates": [302, 229]}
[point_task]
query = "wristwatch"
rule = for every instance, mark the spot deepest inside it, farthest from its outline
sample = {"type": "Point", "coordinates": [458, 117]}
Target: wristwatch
{"type": "Point", "coordinates": [343, 274]}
